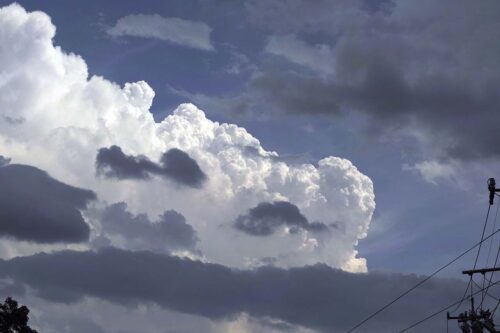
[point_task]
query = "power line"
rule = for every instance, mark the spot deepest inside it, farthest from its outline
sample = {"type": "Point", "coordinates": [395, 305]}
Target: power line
{"type": "Point", "coordinates": [492, 239]}
{"type": "Point", "coordinates": [427, 278]}
{"type": "Point", "coordinates": [440, 311]}
{"type": "Point", "coordinates": [485, 292]}
{"type": "Point", "coordinates": [482, 236]}
{"type": "Point", "coordinates": [488, 258]}
{"type": "Point", "coordinates": [492, 273]}
{"type": "Point", "coordinates": [469, 285]}
{"type": "Point", "coordinates": [495, 309]}
{"type": "Point", "coordinates": [479, 250]}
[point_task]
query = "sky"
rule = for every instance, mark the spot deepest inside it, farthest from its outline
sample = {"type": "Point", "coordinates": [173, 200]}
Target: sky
{"type": "Point", "coordinates": [244, 166]}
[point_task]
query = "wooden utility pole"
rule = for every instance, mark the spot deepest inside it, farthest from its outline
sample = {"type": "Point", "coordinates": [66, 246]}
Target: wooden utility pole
{"type": "Point", "coordinates": [478, 320]}
{"type": "Point", "coordinates": [473, 322]}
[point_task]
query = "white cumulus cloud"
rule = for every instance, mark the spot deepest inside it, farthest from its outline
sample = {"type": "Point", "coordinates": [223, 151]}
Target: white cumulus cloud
{"type": "Point", "coordinates": [63, 117]}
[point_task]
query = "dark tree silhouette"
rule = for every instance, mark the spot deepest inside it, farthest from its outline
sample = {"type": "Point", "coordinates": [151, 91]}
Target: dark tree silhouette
{"type": "Point", "coordinates": [14, 319]}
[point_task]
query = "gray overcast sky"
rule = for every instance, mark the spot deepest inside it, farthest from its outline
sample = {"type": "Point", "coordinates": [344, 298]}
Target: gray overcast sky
{"type": "Point", "coordinates": [354, 134]}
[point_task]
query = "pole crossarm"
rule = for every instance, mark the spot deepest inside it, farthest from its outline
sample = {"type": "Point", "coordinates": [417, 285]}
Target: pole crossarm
{"type": "Point", "coordinates": [481, 271]}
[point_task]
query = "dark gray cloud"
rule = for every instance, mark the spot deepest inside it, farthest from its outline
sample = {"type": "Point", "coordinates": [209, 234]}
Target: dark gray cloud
{"type": "Point", "coordinates": [73, 325]}
{"type": "Point", "coordinates": [11, 288]}
{"type": "Point", "coordinates": [4, 161]}
{"type": "Point", "coordinates": [36, 207]}
{"type": "Point", "coordinates": [318, 296]}
{"type": "Point", "coordinates": [13, 121]}
{"type": "Point", "coordinates": [175, 165]}
{"type": "Point", "coordinates": [266, 217]}
{"type": "Point", "coordinates": [169, 232]}
{"type": "Point", "coordinates": [394, 63]}
{"type": "Point", "coordinates": [439, 109]}
{"type": "Point", "coordinates": [112, 162]}
{"type": "Point", "coordinates": [179, 166]}
{"type": "Point", "coordinates": [285, 16]}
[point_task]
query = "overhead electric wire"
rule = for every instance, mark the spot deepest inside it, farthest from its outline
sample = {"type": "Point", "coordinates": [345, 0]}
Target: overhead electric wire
{"type": "Point", "coordinates": [492, 239]}
{"type": "Point", "coordinates": [488, 258]}
{"type": "Point", "coordinates": [492, 273]}
{"type": "Point", "coordinates": [469, 285]}
{"type": "Point", "coordinates": [479, 251]}
{"type": "Point", "coordinates": [485, 292]}
{"type": "Point", "coordinates": [495, 309]}
{"type": "Point", "coordinates": [482, 236]}
{"type": "Point", "coordinates": [440, 311]}
{"type": "Point", "coordinates": [483, 239]}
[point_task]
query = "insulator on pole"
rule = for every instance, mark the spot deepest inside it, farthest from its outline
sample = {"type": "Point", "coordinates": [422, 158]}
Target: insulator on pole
{"type": "Point", "coordinates": [492, 189]}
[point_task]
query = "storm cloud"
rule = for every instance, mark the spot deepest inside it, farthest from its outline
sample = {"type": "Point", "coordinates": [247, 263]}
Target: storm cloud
{"type": "Point", "coordinates": [266, 217]}
{"type": "Point", "coordinates": [404, 65]}
{"type": "Point", "coordinates": [36, 207]}
{"type": "Point", "coordinates": [317, 296]}
{"type": "Point", "coordinates": [169, 232]}
{"type": "Point", "coordinates": [175, 165]}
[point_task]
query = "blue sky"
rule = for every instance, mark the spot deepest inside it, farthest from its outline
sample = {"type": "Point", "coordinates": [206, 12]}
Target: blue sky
{"type": "Point", "coordinates": [410, 102]}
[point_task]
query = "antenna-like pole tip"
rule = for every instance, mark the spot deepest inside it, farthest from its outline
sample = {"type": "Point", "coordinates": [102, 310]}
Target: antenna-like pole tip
{"type": "Point", "coordinates": [491, 188]}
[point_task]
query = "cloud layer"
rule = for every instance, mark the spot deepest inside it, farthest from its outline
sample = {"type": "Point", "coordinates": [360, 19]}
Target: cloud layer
{"type": "Point", "coordinates": [318, 297]}
{"type": "Point", "coordinates": [404, 67]}
{"type": "Point", "coordinates": [35, 207]}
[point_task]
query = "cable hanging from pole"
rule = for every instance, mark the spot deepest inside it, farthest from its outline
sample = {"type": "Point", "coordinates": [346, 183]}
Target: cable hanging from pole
{"type": "Point", "coordinates": [492, 273]}
{"type": "Point", "coordinates": [484, 291]}
{"type": "Point", "coordinates": [478, 318]}
{"type": "Point", "coordinates": [439, 311]}
{"type": "Point", "coordinates": [489, 252]}
{"type": "Point", "coordinates": [482, 236]}
{"type": "Point", "coordinates": [492, 229]}
{"type": "Point", "coordinates": [483, 295]}
{"type": "Point", "coordinates": [422, 282]}
{"type": "Point", "coordinates": [492, 189]}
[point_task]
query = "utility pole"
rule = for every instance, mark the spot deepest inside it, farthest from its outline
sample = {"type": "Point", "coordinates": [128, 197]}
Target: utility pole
{"type": "Point", "coordinates": [478, 320]}
{"type": "Point", "coordinates": [475, 320]}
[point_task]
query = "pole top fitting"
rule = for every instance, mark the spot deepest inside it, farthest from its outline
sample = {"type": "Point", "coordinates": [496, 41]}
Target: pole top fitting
{"type": "Point", "coordinates": [492, 189]}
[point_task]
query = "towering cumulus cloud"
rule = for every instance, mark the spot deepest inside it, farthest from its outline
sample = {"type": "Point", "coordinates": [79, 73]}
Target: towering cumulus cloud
{"type": "Point", "coordinates": [56, 117]}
